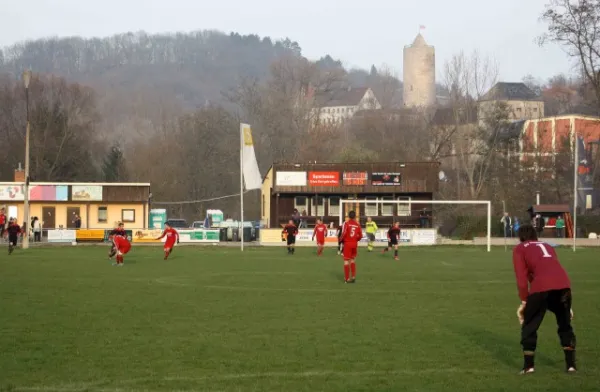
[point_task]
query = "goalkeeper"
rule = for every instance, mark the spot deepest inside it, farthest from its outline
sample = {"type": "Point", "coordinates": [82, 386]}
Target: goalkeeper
{"type": "Point", "coordinates": [371, 229]}
{"type": "Point", "coordinates": [543, 286]}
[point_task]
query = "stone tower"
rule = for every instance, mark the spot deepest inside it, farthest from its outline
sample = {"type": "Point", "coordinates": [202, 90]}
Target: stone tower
{"type": "Point", "coordinates": [419, 74]}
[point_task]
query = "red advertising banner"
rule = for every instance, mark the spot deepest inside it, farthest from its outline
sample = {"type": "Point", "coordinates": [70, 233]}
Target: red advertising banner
{"type": "Point", "coordinates": [355, 178]}
{"type": "Point", "coordinates": [323, 178]}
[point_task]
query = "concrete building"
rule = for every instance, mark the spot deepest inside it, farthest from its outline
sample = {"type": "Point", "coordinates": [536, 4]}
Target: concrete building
{"type": "Point", "coordinates": [338, 106]}
{"type": "Point", "coordinates": [522, 103]}
{"type": "Point", "coordinates": [419, 74]}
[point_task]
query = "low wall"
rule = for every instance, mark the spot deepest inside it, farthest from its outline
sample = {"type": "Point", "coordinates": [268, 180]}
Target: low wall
{"type": "Point", "coordinates": [273, 237]}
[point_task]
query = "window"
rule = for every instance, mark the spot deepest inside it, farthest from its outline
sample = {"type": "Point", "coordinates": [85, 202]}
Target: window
{"type": "Point", "coordinates": [102, 214]}
{"type": "Point", "coordinates": [411, 87]}
{"type": "Point", "coordinates": [371, 208]}
{"type": "Point", "coordinates": [534, 110]}
{"type": "Point", "coordinates": [300, 203]}
{"type": "Point", "coordinates": [334, 206]}
{"type": "Point", "coordinates": [387, 209]}
{"type": "Point", "coordinates": [263, 206]}
{"type": "Point", "coordinates": [518, 110]}
{"type": "Point", "coordinates": [128, 216]}
{"type": "Point", "coordinates": [404, 208]}
{"type": "Point", "coordinates": [317, 206]}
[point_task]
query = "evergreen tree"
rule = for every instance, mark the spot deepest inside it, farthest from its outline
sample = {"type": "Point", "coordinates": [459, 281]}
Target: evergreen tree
{"type": "Point", "coordinates": [114, 165]}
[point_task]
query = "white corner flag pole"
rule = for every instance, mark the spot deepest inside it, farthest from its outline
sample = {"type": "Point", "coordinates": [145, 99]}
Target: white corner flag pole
{"type": "Point", "coordinates": [241, 234]}
{"type": "Point", "coordinates": [575, 165]}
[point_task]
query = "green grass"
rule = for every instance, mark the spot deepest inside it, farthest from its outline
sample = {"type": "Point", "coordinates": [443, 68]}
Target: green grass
{"type": "Point", "coordinates": [211, 319]}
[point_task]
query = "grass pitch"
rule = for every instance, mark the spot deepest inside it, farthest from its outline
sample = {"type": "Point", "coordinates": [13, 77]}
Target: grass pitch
{"type": "Point", "coordinates": [212, 319]}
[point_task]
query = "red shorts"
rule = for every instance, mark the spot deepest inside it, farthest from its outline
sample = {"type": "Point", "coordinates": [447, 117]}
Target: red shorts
{"type": "Point", "coordinates": [350, 251]}
{"type": "Point", "coordinates": [169, 245]}
{"type": "Point", "coordinates": [320, 241]}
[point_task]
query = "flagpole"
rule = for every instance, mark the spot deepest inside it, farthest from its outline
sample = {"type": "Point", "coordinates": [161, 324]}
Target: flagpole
{"type": "Point", "coordinates": [241, 188]}
{"type": "Point", "coordinates": [575, 196]}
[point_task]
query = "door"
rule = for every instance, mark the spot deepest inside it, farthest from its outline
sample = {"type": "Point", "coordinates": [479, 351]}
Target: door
{"type": "Point", "coordinates": [73, 215]}
{"type": "Point", "coordinates": [48, 217]}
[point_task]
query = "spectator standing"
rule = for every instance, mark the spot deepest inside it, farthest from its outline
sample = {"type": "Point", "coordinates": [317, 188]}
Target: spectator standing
{"type": "Point", "coordinates": [37, 230]}
{"type": "Point", "coordinates": [560, 227]}
{"type": "Point", "coordinates": [507, 225]}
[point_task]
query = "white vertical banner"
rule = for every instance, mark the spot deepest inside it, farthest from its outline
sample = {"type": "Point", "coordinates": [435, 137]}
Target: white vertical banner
{"type": "Point", "coordinates": [252, 178]}
{"type": "Point", "coordinates": [249, 173]}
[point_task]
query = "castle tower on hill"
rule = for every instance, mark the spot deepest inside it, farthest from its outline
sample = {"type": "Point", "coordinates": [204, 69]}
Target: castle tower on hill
{"type": "Point", "coordinates": [419, 74]}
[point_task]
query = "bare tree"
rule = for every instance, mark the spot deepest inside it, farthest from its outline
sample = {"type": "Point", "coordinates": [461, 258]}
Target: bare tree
{"type": "Point", "coordinates": [468, 77]}
{"type": "Point", "coordinates": [575, 25]}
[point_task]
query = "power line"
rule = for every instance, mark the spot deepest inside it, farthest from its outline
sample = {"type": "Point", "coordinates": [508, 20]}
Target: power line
{"type": "Point", "coordinates": [196, 201]}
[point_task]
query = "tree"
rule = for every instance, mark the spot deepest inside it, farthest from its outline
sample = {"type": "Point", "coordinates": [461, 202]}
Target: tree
{"type": "Point", "coordinates": [575, 25]}
{"type": "Point", "coordinates": [473, 137]}
{"type": "Point", "coordinates": [114, 169]}
{"type": "Point", "coordinates": [64, 144]}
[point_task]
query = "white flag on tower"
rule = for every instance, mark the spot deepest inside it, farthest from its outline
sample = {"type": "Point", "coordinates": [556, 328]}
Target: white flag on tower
{"type": "Point", "coordinates": [252, 178]}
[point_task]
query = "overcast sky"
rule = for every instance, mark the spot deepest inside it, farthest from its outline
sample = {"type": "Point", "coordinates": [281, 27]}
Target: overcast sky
{"type": "Point", "coordinates": [359, 33]}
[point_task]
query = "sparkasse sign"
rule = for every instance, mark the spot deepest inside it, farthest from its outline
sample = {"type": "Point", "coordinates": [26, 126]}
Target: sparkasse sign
{"type": "Point", "coordinates": [323, 178]}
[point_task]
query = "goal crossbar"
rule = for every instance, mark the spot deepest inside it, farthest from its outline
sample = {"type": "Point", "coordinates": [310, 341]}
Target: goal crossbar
{"type": "Point", "coordinates": [488, 203]}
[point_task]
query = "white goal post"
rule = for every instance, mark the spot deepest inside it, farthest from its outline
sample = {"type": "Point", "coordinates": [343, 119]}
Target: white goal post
{"type": "Point", "coordinates": [461, 202]}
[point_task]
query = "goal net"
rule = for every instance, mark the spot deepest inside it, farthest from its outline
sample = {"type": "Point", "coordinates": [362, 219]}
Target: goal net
{"type": "Point", "coordinates": [395, 210]}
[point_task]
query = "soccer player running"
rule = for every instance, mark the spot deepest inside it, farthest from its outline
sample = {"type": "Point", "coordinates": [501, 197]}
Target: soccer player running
{"type": "Point", "coordinates": [119, 230]}
{"type": "Point", "coordinates": [351, 235]}
{"type": "Point", "coordinates": [320, 232]}
{"type": "Point", "coordinates": [172, 236]}
{"type": "Point", "coordinates": [13, 232]}
{"type": "Point", "coordinates": [291, 231]}
{"type": "Point", "coordinates": [543, 285]}
{"type": "Point", "coordinates": [371, 230]}
{"type": "Point", "coordinates": [123, 247]}
{"type": "Point", "coordinates": [393, 238]}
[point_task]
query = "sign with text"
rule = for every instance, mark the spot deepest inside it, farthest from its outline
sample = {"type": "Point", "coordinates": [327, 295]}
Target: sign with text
{"type": "Point", "coordinates": [284, 178]}
{"type": "Point", "coordinates": [11, 192]}
{"type": "Point", "coordinates": [355, 178]}
{"type": "Point", "coordinates": [323, 178]}
{"type": "Point", "coordinates": [386, 179]}
{"type": "Point", "coordinates": [147, 235]}
{"type": "Point", "coordinates": [66, 236]}
{"type": "Point", "coordinates": [198, 235]}
{"type": "Point", "coordinates": [86, 193]}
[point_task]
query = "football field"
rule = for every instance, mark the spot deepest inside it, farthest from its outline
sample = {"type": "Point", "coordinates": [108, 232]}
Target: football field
{"type": "Point", "coordinates": [213, 319]}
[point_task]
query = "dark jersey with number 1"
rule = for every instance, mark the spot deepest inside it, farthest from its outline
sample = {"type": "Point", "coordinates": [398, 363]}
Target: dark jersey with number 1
{"type": "Point", "coordinates": [537, 269]}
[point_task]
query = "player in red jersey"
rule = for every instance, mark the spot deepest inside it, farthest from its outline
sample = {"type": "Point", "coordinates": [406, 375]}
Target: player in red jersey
{"type": "Point", "coordinates": [320, 232]}
{"type": "Point", "coordinates": [123, 247]}
{"type": "Point", "coordinates": [351, 235]}
{"type": "Point", "coordinates": [543, 285]}
{"type": "Point", "coordinates": [119, 230]}
{"type": "Point", "coordinates": [172, 236]}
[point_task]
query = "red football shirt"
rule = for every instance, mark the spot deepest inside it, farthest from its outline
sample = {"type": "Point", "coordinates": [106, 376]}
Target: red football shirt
{"type": "Point", "coordinates": [171, 235]}
{"type": "Point", "coordinates": [537, 269]}
{"type": "Point", "coordinates": [351, 233]}
{"type": "Point", "coordinates": [320, 232]}
{"type": "Point", "coordinates": [122, 244]}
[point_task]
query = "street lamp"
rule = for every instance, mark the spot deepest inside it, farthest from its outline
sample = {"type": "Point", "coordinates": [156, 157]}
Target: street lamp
{"type": "Point", "coordinates": [26, 80]}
